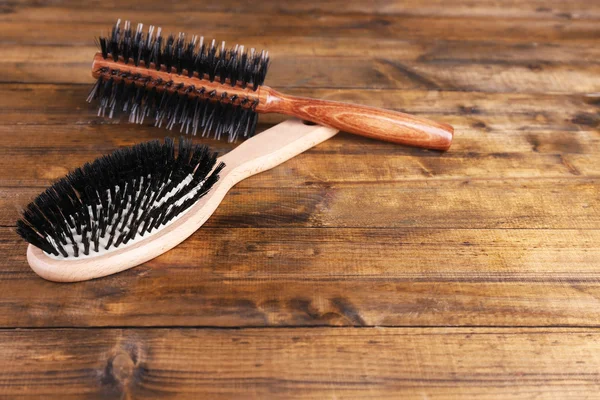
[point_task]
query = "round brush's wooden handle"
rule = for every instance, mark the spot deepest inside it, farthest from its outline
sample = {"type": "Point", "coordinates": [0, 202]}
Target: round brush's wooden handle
{"type": "Point", "coordinates": [376, 123]}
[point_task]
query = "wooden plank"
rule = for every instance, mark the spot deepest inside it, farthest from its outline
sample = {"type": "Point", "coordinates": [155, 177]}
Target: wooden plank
{"type": "Point", "coordinates": [542, 9]}
{"type": "Point", "coordinates": [474, 138]}
{"type": "Point", "coordinates": [440, 51]}
{"type": "Point", "coordinates": [363, 72]}
{"type": "Point", "coordinates": [49, 25]}
{"type": "Point", "coordinates": [511, 204]}
{"type": "Point", "coordinates": [483, 122]}
{"type": "Point", "coordinates": [37, 154]}
{"type": "Point", "coordinates": [301, 363]}
{"type": "Point", "coordinates": [312, 277]}
{"type": "Point", "coordinates": [493, 123]}
{"type": "Point", "coordinates": [512, 118]}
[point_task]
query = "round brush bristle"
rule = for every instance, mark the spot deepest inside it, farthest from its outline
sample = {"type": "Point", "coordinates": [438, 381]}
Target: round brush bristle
{"type": "Point", "coordinates": [191, 106]}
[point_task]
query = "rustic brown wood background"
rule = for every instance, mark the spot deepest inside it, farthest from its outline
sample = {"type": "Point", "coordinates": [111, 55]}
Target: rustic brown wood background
{"type": "Point", "coordinates": [359, 269]}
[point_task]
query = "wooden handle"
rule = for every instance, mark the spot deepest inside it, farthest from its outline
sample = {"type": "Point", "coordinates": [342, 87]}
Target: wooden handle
{"type": "Point", "coordinates": [260, 153]}
{"type": "Point", "coordinates": [376, 123]}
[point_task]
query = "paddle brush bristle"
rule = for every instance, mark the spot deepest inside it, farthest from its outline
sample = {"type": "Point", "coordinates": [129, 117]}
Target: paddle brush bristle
{"type": "Point", "coordinates": [119, 198]}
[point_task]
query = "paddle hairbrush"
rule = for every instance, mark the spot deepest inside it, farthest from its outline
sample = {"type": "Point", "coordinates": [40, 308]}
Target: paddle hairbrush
{"type": "Point", "coordinates": [135, 204]}
{"type": "Point", "coordinates": [207, 88]}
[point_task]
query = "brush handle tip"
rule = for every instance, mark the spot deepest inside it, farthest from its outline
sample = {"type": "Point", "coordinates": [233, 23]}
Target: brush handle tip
{"type": "Point", "coordinates": [375, 123]}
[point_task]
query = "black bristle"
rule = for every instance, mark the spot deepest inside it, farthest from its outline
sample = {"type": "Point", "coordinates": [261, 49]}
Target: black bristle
{"type": "Point", "coordinates": [232, 66]}
{"type": "Point", "coordinates": [118, 197]}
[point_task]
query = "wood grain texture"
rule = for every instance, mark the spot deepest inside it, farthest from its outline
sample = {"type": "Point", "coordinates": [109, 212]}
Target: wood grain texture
{"type": "Point", "coordinates": [374, 123]}
{"type": "Point", "coordinates": [480, 204]}
{"type": "Point", "coordinates": [542, 9]}
{"type": "Point", "coordinates": [231, 277]}
{"type": "Point", "coordinates": [79, 22]}
{"type": "Point", "coordinates": [388, 271]}
{"type": "Point", "coordinates": [488, 74]}
{"type": "Point", "coordinates": [301, 363]}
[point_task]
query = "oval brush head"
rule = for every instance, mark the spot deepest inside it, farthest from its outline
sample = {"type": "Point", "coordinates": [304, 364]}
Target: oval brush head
{"type": "Point", "coordinates": [118, 198]}
{"type": "Point", "coordinates": [208, 88]}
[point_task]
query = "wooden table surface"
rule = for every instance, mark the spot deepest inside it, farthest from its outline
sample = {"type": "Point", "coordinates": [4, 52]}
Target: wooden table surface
{"type": "Point", "coordinates": [359, 269]}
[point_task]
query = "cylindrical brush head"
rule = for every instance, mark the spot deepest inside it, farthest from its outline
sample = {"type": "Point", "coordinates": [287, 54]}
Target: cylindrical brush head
{"type": "Point", "coordinates": [198, 87]}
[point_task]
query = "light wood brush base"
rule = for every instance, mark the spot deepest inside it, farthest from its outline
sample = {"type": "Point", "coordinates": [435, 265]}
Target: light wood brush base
{"type": "Point", "coordinates": [260, 153]}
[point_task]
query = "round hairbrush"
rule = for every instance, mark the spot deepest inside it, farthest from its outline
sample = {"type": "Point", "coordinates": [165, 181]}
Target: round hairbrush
{"type": "Point", "coordinates": [212, 89]}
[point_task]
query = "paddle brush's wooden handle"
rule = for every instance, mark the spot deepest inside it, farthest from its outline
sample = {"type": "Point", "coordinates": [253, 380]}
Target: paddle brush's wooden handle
{"type": "Point", "coordinates": [376, 123]}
